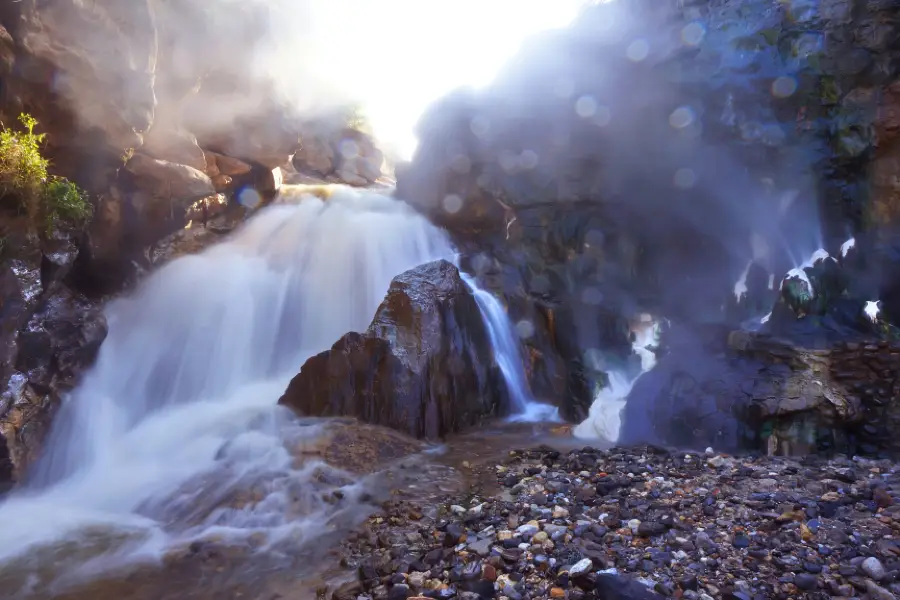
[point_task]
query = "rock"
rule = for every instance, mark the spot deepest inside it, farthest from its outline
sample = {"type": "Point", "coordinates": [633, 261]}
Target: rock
{"type": "Point", "coordinates": [58, 343]}
{"type": "Point", "coordinates": [805, 582]}
{"type": "Point", "coordinates": [743, 390]}
{"type": "Point", "coordinates": [315, 154]}
{"type": "Point", "coordinates": [108, 88]}
{"type": "Point", "coordinates": [170, 181]}
{"type": "Point", "coordinates": [617, 587]}
{"type": "Point", "coordinates": [873, 568]}
{"type": "Point", "coordinates": [877, 592]}
{"type": "Point", "coordinates": [174, 145]}
{"type": "Point", "coordinates": [539, 184]}
{"type": "Point", "coordinates": [425, 365]}
{"type": "Point", "coordinates": [227, 165]}
{"type": "Point", "coordinates": [582, 567]}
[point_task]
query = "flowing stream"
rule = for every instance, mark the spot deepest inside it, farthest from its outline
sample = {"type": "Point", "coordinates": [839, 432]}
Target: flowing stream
{"type": "Point", "coordinates": [175, 435]}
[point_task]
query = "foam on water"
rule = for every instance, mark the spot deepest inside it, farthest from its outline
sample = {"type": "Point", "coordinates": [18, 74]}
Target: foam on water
{"type": "Point", "coordinates": [604, 419]}
{"type": "Point", "coordinates": [177, 420]}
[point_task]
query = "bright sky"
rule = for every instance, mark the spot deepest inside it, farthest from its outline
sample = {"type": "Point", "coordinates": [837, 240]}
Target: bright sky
{"type": "Point", "coordinates": [398, 56]}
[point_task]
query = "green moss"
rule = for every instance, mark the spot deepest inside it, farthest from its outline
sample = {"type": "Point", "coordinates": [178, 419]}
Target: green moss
{"type": "Point", "coordinates": [26, 186]}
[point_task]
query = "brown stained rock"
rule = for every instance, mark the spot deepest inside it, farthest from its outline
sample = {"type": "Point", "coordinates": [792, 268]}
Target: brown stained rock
{"type": "Point", "coordinates": [885, 169]}
{"type": "Point", "coordinates": [424, 367]}
{"type": "Point", "coordinates": [102, 56]}
{"type": "Point", "coordinates": [226, 165]}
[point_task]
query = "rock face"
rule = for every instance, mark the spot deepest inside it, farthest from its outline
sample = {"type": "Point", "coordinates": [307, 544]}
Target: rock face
{"type": "Point", "coordinates": [739, 391]}
{"type": "Point", "coordinates": [425, 365]}
{"type": "Point", "coordinates": [49, 335]}
{"type": "Point", "coordinates": [346, 155]}
{"type": "Point", "coordinates": [639, 160]}
{"type": "Point", "coordinates": [140, 108]}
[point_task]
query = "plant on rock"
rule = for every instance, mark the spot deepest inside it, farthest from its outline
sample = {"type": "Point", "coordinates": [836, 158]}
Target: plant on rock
{"type": "Point", "coordinates": [26, 186]}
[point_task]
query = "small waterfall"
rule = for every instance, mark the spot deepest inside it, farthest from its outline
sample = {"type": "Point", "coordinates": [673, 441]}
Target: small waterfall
{"type": "Point", "coordinates": [179, 414]}
{"type": "Point", "coordinates": [604, 419]}
{"type": "Point", "coordinates": [508, 354]}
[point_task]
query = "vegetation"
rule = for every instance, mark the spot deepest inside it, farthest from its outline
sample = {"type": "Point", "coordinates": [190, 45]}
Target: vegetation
{"type": "Point", "coordinates": [26, 186]}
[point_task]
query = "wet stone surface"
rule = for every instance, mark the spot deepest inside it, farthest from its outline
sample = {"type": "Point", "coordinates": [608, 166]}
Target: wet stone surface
{"type": "Point", "coordinates": [638, 523]}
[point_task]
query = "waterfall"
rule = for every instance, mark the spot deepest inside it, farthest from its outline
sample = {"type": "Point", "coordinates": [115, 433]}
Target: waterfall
{"type": "Point", "coordinates": [179, 412]}
{"type": "Point", "coordinates": [604, 419]}
{"type": "Point", "coordinates": [177, 420]}
{"type": "Point", "coordinates": [507, 353]}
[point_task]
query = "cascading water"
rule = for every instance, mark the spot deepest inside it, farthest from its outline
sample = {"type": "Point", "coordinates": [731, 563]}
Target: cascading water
{"type": "Point", "coordinates": [507, 354]}
{"type": "Point", "coordinates": [604, 419]}
{"type": "Point", "coordinates": [179, 414]}
{"type": "Point", "coordinates": [176, 424]}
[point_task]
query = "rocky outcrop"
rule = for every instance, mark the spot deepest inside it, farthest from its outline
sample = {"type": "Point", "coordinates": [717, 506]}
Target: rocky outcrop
{"type": "Point", "coordinates": [49, 335]}
{"type": "Point", "coordinates": [425, 366]}
{"type": "Point", "coordinates": [639, 160]}
{"type": "Point", "coordinates": [740, 391]}
{"type": "Point", "coordinates": [153, 105]}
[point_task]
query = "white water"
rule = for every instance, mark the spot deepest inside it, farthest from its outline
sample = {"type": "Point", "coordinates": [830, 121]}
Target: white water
{"type": "Point", "coordinates": [604, 420]}
{"type": "Point", "coordinates": [174, 435]}
{"type": "Point", "coordinates": [179, 413]}
{"type": "Point", "coordinates": [508, 356]}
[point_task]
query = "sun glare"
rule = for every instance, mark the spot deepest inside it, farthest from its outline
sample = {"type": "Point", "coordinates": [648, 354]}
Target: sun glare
{"type": "Point", "coordinates": [397, 56]}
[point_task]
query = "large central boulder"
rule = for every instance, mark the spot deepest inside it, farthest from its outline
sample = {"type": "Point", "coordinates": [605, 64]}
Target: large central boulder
{"type": "Point", "coordinates": [425, 366]}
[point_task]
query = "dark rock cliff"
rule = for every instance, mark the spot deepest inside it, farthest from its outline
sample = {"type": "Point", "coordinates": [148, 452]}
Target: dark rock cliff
{"type": "Point", "coordinates": [640, 160]}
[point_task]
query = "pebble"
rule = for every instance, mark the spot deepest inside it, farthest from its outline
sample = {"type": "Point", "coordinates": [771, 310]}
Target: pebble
{"type": "Point", "coordinates": [873, 568]}
{"type": "Point", "coordinates": [691, 527]}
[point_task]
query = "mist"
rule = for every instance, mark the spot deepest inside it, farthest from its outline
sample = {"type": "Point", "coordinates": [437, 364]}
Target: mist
{"type": "Point", "coordinates": [654, 118]}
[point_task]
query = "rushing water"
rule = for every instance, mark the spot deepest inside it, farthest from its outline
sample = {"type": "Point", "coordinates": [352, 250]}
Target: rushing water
{"type": "Point", "coordinates": [507, 354]}
{"type": "Point", "coordinates": [175, 434]}
{"type": "Point", "coordinates": [604, 419]}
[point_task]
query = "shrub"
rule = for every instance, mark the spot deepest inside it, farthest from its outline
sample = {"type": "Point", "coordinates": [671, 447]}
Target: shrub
{"type": "Point", "coordinates": [26, 186]}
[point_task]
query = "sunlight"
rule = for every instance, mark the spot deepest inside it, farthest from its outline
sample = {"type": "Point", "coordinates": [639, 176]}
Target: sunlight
{"type": "Point", "coordinates": [397, 56]}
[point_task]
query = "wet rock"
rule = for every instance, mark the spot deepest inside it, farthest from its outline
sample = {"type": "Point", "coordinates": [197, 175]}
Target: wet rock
{"type": "Point", "coordinates": [616, 587]}
{"type": "Point", "coordinates": [873, 568]}
{"type": "Point", "coordinates": [425, 365]}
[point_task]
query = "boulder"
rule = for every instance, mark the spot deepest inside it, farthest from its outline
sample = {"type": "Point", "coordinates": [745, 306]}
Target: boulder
{"type": "Point", "coordinates": [424, 366]}
{"type": "Point", "coordinates": [174, 145]}
{"type": "Point", "coordinates": [315, 154]}
{"type": "Point", "coordinates": [219, 164]}
{"type": "Point", "coordinates": [59, 342]}
{"type": "Point", "coordinates": [171, 181]}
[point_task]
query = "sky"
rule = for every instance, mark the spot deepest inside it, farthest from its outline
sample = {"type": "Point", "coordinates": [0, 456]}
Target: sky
{"type": "Point", "coordinates": [397, 56]}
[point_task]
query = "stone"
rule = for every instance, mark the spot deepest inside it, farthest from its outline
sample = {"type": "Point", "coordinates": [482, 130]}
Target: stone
{"type": "Point", "coordinates": [170, 181]}
{"type": "Point", "coordinates": [174, 145]}
{"type": "Point", "coordinates": [424, 366]}
{"type": "Point", "coordinates": [873, 568]}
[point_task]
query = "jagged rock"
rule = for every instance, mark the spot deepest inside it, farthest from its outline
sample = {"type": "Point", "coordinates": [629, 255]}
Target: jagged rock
{"type": "Point", "coordinates": [425, 365]}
